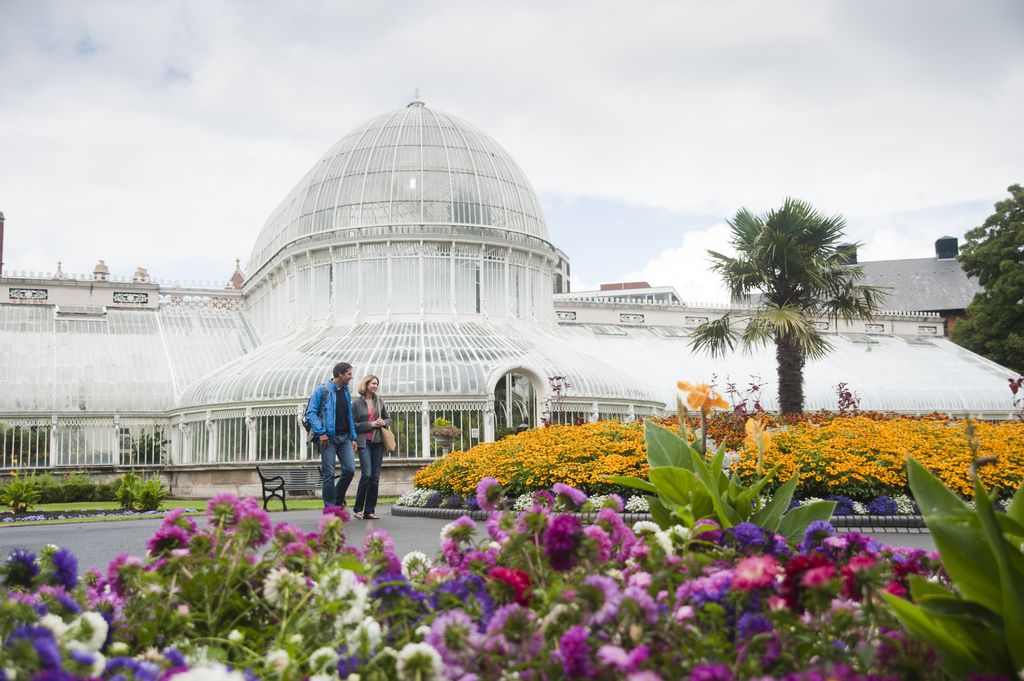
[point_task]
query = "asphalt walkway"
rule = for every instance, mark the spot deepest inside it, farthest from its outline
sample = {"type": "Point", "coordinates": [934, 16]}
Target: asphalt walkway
{"type": "Point", "coordinates": [96, 543]}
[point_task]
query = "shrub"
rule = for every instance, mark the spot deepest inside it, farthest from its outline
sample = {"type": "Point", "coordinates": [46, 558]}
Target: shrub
{"type": "Point", "coordinates": [136, 494]}
{"type": "Point", "coordinates": [19, 495]}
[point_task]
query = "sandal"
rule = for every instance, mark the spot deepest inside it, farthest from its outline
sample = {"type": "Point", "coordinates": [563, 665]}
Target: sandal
{"type": "Point", "coordinates": [371, 516]}
{"type": "Point", "coordinates": [358, 514]}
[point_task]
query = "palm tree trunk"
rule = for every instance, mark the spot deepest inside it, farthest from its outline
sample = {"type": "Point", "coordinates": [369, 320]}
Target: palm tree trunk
{"type": "Point", "coordinates": [790, 364]}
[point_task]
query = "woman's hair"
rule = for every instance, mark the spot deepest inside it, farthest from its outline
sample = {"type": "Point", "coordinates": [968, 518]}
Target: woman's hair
{"type": "Point", "coordinates": [365, 382]}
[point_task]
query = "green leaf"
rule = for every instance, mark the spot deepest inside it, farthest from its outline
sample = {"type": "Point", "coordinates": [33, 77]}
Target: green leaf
{"type": "Point", "coordinates": [665, 448]}
{"type": "Point", "coordinates": [661, 515]}
{"type": "Point", "coordinates": [1016, 508]}
{"type": "Point", "coordinates": [795, 523]}
{"type": "Point", "coordinates": [949, 638]}
{"type": "Point", "coordinates": [635, 483]}
{"type": "Point", "coordinates": [968, 560]}
{"type": "Point", "coordinates": [1009, 579]}
{"type": "Point", "coordinates": [932, 497]}
{"type": "Point", "coordinates": [676, 484]}
{"type": "Point", "coordinates": [770, 517]}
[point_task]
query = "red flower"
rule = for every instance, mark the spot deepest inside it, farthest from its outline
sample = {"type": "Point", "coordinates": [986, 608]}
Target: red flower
{"type": "Point", "coordinates": [517, 579]}
{"type": "Point", "coordinates": [854, 575]}
{"type": "Point", "coordinates": [795, 570]}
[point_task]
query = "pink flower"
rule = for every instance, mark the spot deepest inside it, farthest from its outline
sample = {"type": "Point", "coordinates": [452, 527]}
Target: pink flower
{"type": "Point", "coordinates": [818, 576]}
{"type": "Point", "coordinates": [756, 572]}
{"type": "Point", "coordinates": [488, 494]}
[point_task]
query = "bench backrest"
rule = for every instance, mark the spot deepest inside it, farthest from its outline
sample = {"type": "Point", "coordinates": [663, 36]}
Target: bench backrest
{"type": "Point", "coordinates": [295, 479]}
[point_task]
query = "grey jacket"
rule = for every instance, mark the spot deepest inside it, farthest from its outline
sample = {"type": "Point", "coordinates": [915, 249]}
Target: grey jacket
{"type": "Point", "coordinates": [361, 418]}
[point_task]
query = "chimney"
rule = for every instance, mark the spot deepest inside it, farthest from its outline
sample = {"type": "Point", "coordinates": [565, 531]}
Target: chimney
{"type": "Point", "coordinates": [1, 243]}
{"type": "Point", "coordinates": [947, 248]}
{"type": "Point", "coordinates": [101, 272]}
{"type": "Point", "coordinates": [849, 253]}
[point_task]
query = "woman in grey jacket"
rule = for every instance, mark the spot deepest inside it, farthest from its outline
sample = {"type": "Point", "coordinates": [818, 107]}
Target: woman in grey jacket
{"type": "Point", "coordinates": [370, 414]}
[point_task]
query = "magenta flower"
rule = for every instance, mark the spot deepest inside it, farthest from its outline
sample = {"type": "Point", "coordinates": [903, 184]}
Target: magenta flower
{"type": "Point", "coordinates": [286, 533]}
{"type": "Point", "coordinates": [488, 494]}
{"type": "Point", "coordinates": [601, 597]}
{"type": "Point", "coordinates": [454, 635]}
{"type": "Point", "coordinates": [166, 539]}
{"type": "Point", "coordinates": [253, 523]}
{"type": "Point", "coordinates": [621, 659]}
{"type": "Point", "coordinates": [117, 569]}
{"type": "Point", "coordinates": [223, 510]}
{"type": "Point", "coordinates": [177, 518]}
{"type": "Point", "coordinates": [570, 496]}
{"type": "Point", "coordinates": [561, 541]}
{"type": "Point", "coordinates": [601, 541]}
{"type": "Point", "coordinates": [574, 652]}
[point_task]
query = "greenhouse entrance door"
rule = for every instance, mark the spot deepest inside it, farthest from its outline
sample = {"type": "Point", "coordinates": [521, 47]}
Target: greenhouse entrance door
{"type": "Point", "coordinates": [515, 401]}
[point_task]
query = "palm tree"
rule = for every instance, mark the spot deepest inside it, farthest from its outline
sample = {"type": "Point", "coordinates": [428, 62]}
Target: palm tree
{"type": "Point", "coordinates": [790, 257]}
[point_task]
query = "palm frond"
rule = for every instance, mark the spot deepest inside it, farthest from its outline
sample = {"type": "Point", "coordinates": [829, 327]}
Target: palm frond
{"type": "Point", "coordinates": [715, 337]}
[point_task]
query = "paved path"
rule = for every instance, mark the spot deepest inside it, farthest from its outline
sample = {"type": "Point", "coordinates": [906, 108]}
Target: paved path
{"type": "Point", "coordinates": [97, 543]}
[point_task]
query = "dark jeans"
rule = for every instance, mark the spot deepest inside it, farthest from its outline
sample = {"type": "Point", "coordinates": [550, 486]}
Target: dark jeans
{"type": "Point", "coordinates": [371, 458]}
{"type": "Point", "coordinates": [336, 448]}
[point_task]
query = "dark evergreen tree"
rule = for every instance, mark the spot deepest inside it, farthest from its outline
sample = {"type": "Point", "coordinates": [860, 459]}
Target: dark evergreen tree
{"type": "Point", "coordinates": [994, 253]}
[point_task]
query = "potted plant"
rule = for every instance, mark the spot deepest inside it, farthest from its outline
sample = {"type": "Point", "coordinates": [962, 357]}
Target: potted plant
{"type": "Point", "coordinates": [445, 433]}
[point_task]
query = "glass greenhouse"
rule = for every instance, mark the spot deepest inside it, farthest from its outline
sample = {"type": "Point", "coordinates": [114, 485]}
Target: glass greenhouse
{"type": "Point", "coordinates": [414, 249]}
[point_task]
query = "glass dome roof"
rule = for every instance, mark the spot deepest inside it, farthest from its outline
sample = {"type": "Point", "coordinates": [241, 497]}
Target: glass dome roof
{"type": "Point", "coordinates": [459, 360]}
{"type": "Point", "coordinates": [411, 166]}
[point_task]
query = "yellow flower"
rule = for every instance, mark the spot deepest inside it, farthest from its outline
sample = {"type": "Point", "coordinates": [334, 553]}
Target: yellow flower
{"type": "Point", "coordinates": [702, 396]}
{"type": "Point", "coordinates": [756, 434]}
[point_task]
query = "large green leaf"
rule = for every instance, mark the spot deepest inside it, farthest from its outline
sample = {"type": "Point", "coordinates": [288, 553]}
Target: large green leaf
{"type": "Point", "coordinates": [661, 515]}
{"type": "Point", "coordinates": [1010, 580]}
{"type": "Point", "coordinates": [960, 654]}
{"type": "Point", "coordinates": [635, 483]}
{"type": "Point", "coordinates": [795, 523]}
{"type": "Point", "coordinates": [932, 497]}
{"type": "Point", "coordinates": [1016, 508]}
{"type": "Point", "coordinates": [770, 517]}
{"type": "Point", "coordinates": [676, 484]}
{"type": "Point", "coordinates": [665, 448]}
{"type": "Point", "coordinates": [968, 560]}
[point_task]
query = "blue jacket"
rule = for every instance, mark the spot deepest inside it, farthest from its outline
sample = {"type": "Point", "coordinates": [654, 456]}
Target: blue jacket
{"type": "Point", "coordinates": [325, 396]}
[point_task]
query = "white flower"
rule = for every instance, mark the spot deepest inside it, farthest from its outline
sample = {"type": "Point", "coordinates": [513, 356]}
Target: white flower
{"type": "Point", "coordinates": [904, 504]}
{"type": "Point", "coordinates": [366, 636]}
{"type": "Point", "coordinates": [236, 636]}
{"type": "Point", "coordinates": [859, 508]}
{"type": "Point", "coordinates": [678, 533]}
{"type": "Point", "coordinates": [641, 526]}
{"type": "Point", "coordinates": [281, 584]}
{"type": "Point", "coordinates": [278, 659]}
{"type": "Point", "coordinates": [212, 671]}
{"type": "Point", "coordinates": [637, 504]}
{"type": "Point", "coordinates": [54, 624]}
{"type": "Point", "coordinates": [422, 631]}
{"type": "Point", "coordinates": [295, 639]}
{"type": "Point", "coordinates": [118, 648]}
{"type": "Point", "coordinates": [90, 629]}
{"type": "Point", "coordinates": [664, 539]}
{"type": "Point", "coordinates": [343, 585]}
{"type": "Point", "coordinates": [522, 502]}
{"type": "Point", "coordinates": [322, 658]}
{"type": "Point", "coordinates": [415, 562]}
{"type": "Point", "coordinates": [419, 662]}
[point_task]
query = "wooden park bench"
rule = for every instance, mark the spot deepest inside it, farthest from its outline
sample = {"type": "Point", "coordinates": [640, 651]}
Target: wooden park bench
{"type": "Point", "coordinates": [280, 480]}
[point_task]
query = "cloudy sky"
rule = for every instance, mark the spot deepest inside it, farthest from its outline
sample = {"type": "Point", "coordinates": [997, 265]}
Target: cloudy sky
{"type": "Point", "coordinates": [162, 134]}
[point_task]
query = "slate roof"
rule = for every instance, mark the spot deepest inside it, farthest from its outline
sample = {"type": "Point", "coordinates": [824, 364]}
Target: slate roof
{"type": "Point", "coordinates": [921, 284]}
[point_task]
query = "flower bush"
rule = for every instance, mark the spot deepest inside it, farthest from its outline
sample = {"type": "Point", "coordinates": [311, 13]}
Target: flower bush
{"type": "Point", "coordinates": [860, 457]}
{"type": "Point", "coordinates": [538, 596]}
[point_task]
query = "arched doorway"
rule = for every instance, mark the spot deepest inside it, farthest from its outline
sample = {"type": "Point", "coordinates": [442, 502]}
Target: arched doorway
{"type": "Point", "coordinates": [515, 401]}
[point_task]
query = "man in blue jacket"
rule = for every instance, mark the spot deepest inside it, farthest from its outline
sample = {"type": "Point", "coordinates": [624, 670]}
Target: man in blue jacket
{"type": "Point", "coordinates": [330, 418]}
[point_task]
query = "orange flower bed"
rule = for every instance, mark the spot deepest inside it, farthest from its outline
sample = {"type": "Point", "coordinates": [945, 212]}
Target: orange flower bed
{"type": "Point", "coordinates": [858, 456]}
{"type": "Point", "coordinates": [581, 456]}
{"type": "Point", "coordinates": [862, 457]}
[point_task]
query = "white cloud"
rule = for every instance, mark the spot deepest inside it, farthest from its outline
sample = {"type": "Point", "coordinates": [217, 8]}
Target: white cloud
{"type": "Point", "coordinates": [686, 267]}
{"type": "Point", "coordinates": [163, 134]}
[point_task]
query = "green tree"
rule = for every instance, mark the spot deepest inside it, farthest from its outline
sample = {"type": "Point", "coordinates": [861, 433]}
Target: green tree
{"type": "Point", "coordinates": [791, 260]}
{"type": "Point", "coordinates": [994, 253]}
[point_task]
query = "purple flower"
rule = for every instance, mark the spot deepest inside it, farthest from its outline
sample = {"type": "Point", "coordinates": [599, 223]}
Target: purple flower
{"type": "Point", "coordinates": [815, 534]}
{"type": "Point", "coordinates": [116, 569]}
{"type": "Point", "coordinates": [561, 539]}
{"type": "Point", "coordinates": [602, 542]}
{"type": "Point", "coordinates": [286, 533]}
{"type": "Point", "coordinates": [513, 632]}
{"type": "Point", "coordinates": [488, 494]}
{"type": "Point", "coordinates": [348, 664]}
{"type": "Point", "coordinates": [748, 536]}
{"type": "Point", "coordinates": [602, 598]}
{"type": "Point", "coordinates": [167, 539]}
{"type": "Point", "coordinates": [574, 651]}
{"type": "Point", "coordinates": [454, 634]}
{"type": "Point", "coordinates": [883, 505]}
{"type": "Point", "coordinates": [751, 624]}
{"type": "Point", "coordinates": [42, 641]}
{"type": "Point", "coordinates": [467, 591]}
{"type": "Point", "coordinates": [711, 672]}
{"type": "Point", "coordinates": [570, 496]}
{"type": "Point", "coordinates": [65, 568]}
{"type": "Point", "coordinates": [22, 568]}
{"type": "Point", "coordinates": [643, 602]}
{"type": "Point", "coordinates": [623, 660]}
